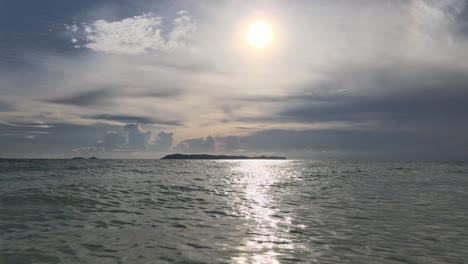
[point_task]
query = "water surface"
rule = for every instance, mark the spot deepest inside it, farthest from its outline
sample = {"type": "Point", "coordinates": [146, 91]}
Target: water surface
{"type": "Point", "coordinates": [249, 211]}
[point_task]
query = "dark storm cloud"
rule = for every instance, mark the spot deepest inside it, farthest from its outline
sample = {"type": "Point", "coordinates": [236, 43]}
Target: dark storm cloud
{"type": "Point", "coordinates": [89, 98]}
{"type": "Point", "coordinates": [136, 119]}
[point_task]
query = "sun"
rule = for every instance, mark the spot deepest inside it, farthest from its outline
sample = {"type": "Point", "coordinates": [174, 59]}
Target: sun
{"type": "Point", "coordinates": [259, 34]}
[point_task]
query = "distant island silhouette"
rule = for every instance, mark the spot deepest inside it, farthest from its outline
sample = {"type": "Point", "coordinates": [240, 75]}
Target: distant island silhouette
{"type": "Point", "coordinates": [81, 158]}
{"type": "Point", "coordinates": [219, 157]}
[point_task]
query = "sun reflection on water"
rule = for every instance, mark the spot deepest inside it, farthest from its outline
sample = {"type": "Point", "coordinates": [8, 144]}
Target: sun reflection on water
{"type": "Point", "coordinates": [267, 227]}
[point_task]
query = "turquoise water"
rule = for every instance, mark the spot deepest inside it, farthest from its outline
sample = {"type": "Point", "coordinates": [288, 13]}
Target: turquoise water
{"type": "Point", "coordinates": [175, 211]}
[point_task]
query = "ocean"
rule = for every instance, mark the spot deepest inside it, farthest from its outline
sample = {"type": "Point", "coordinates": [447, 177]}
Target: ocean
{"type": "Point", "coordinates": [233, 211]}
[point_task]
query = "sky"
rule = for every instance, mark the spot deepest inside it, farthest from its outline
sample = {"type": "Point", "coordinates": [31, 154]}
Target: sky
{"type": "Point", "coordinates": [340, 79]}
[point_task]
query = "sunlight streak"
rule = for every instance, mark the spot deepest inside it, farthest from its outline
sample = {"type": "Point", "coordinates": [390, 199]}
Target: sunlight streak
{"type": "Point", "coordinates": [269, 231]}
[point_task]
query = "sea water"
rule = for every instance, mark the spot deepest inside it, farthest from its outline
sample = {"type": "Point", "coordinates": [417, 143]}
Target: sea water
{"type": "Point", "coordinates": [236, 211]}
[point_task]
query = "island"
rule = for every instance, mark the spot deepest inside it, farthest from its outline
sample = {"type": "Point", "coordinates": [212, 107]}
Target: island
{"type": "Point", "coordinates": [78, 158]}
{"type": "Point", "coordinates": [218, 157]}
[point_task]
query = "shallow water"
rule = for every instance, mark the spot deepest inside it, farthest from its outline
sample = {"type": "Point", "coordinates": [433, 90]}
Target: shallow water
{"type": "Point", "coordinates": [175, 211]}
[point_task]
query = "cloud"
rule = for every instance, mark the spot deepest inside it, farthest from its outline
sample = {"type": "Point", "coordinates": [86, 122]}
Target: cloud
{"type": "Point", "coordinates": [136, 137]}
{"type": "Point", "coordinates": [199, 68]}
{"type": "Point", "coordinates": [4, 107]}
{"type": "Point", "coordinates": [130, 139]}
{"type": "Point", "coordinates": [35, 124]}
{"type": "Point", "coordinates": [163, 142]}
{"type": "Point", "coordinates": [136, 35]}
{"type": "Point", "coordinates": [440, 18]}
{"type": "Point", "coordinates": [209, 143]}
{"type": "Point", "coordinates": [25, 136]}
{"type": "Point", "coordinates": [135, 119]}
{"type": "Point", "coordinates": [377, 144]}
{"type": "Point", "coordinates": [394, 66]}
{"type": "Point", "coordinates": [72, 28]}
{"type": "Point", "coordinates": [232, 143]}
{"type": "Point", "coordinates": [88, 98]}
{"type": "Point", "coordinates": [221, 144]}
{"type": "Point", "coordinates": [166, 92]}
{"type": "Point", "coordinates": [410, 93]}
{"type": "Point", "coordinates": [49, 140]}
{"type": "Point", "coordinates": [196, 145]}
{"type": "Point", "coordinates": [112, 140]}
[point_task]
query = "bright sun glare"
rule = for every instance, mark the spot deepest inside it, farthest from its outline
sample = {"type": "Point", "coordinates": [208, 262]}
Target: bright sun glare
{"type": "Point", "coordinates": [259, 34]}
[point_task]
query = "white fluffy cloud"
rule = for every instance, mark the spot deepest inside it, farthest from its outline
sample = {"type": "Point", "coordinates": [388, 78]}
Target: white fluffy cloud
{"type": "Point", "coordinates": [135, 35]}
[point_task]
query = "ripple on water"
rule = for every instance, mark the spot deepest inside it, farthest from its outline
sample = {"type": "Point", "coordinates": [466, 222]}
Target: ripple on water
{"type": "Point", "coordinates": [122, 211]}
